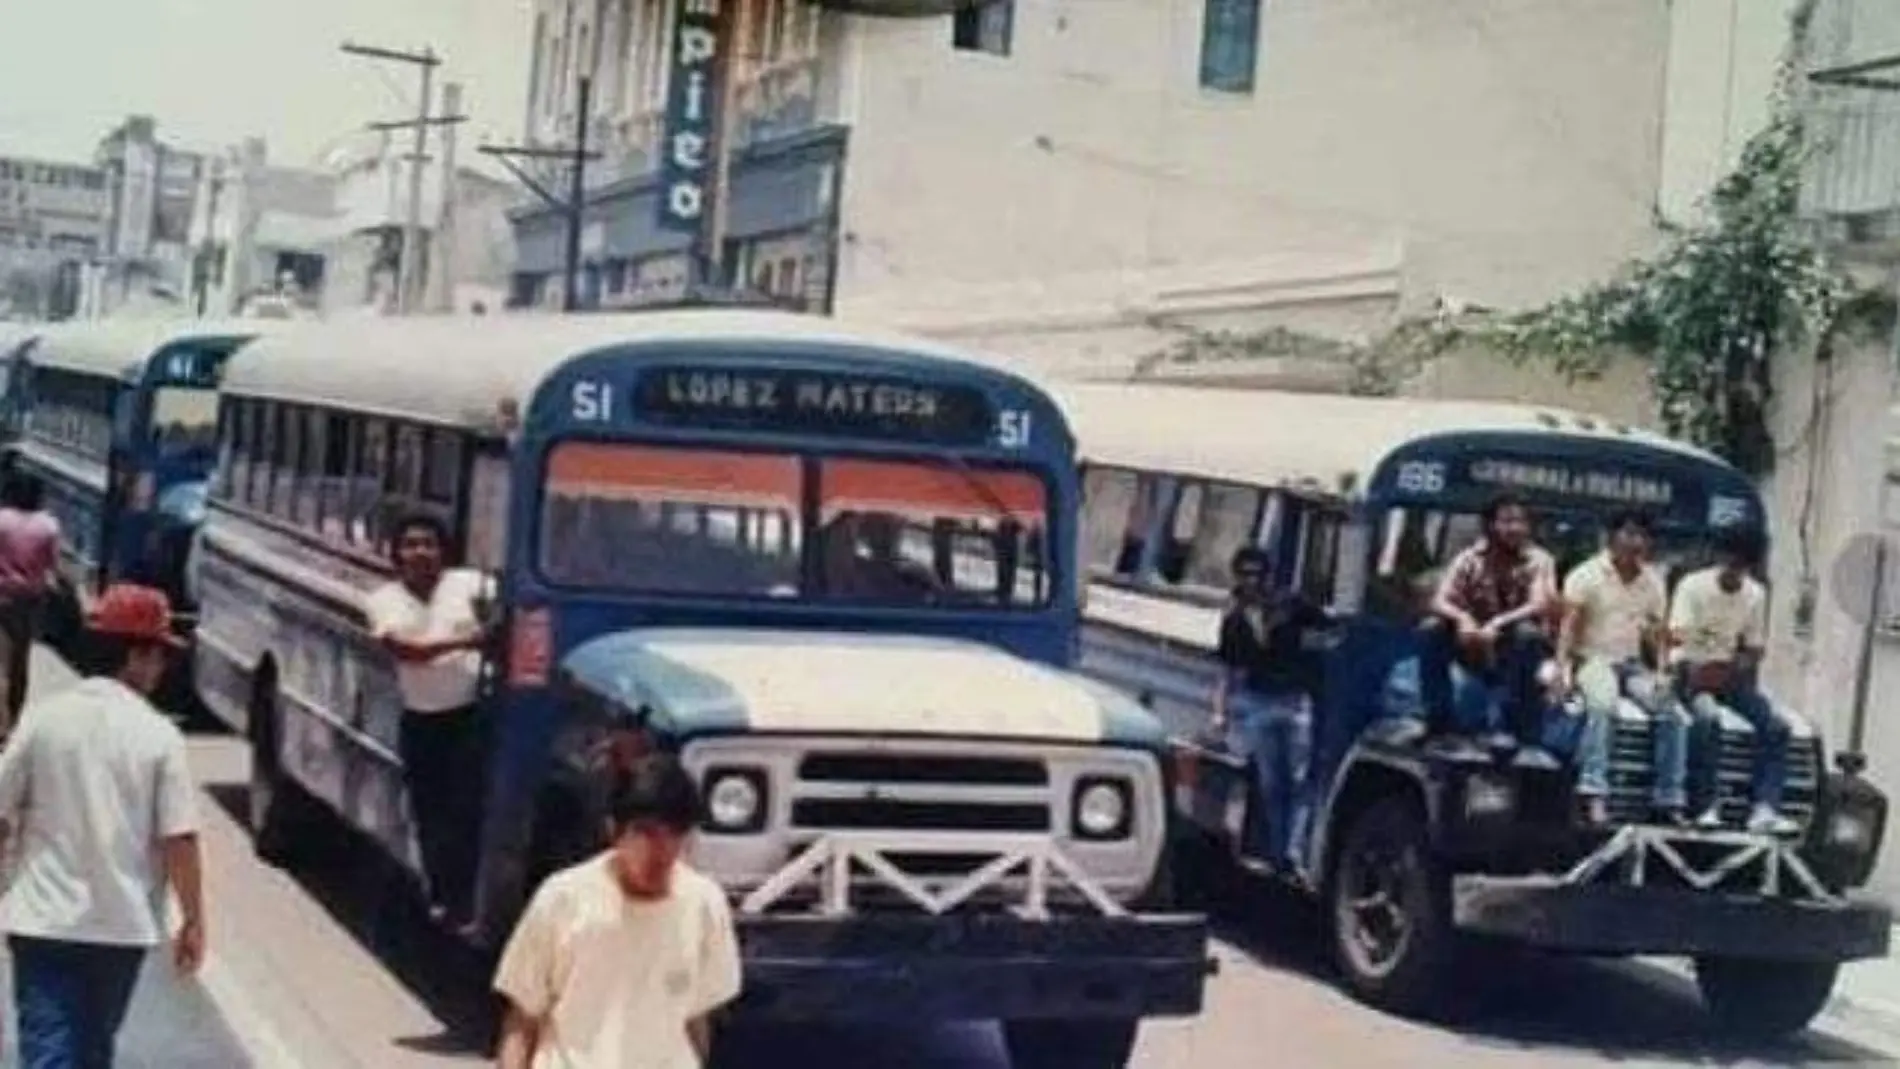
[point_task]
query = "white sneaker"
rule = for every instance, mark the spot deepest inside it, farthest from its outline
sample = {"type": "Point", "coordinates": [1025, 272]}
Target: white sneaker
{"type": "Point", "coordinates": [1765, 821]}
{"type": "Point", "coordinates": [1710, 819]}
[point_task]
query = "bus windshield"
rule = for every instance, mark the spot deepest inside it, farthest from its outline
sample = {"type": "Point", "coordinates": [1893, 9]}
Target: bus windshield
{"type": "Point", "coordinates": [184, 421]}
{"type": "Point", "coordinates": [750, 524]}
{"type": "Point", "coordinates": [1416, 544]}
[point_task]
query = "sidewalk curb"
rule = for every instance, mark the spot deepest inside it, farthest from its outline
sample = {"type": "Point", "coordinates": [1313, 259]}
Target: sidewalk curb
{"type": "Point", "coordinates": [268, 1049]}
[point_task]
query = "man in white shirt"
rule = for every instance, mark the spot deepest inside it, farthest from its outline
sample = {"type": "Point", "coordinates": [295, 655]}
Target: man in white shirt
{"type": "Point", "coordinates": [95, 786]}
{"type": "Point", "coordinates": [1614, 606]}
{"type": "Point", "coordinates": [431, 621]}
{"type": "Point", "coordinates": [1718, 627]}
{"type": "Point", "coordinates": [622, 959]}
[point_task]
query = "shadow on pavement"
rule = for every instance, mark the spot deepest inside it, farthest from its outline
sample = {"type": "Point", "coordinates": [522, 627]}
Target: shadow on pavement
{"type": "Point", "coordinates": [1511, 998]}
{"type": "Point", "coordinates": [377, 903]}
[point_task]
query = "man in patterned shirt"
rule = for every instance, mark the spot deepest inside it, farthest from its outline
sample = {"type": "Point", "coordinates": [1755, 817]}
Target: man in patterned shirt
{"type": "Point", "coordinates": [1491, 614]}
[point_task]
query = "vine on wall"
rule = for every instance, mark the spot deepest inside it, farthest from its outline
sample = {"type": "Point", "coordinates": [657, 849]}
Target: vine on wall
{"type": "Point", "coordinates": [1711, 311]}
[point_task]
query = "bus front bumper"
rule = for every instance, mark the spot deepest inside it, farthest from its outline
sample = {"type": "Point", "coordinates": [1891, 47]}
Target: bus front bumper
{"type": "Point", "coordinates": [975, 966]}
{"type": "Point", "coordinates": [1618, 919]}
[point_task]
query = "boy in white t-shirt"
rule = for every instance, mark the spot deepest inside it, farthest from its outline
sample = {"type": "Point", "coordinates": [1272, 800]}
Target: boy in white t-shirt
{"type": "Point", "coordinates": [620, 961]}
{"type": "Point", "coordinates": [1718, 626]}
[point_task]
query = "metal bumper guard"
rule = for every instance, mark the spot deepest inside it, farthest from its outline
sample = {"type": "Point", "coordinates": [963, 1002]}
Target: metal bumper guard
{"type": "Point", "coordinates": [833, 962]}
{"type": "Point", "coordinates": [1606, 904]}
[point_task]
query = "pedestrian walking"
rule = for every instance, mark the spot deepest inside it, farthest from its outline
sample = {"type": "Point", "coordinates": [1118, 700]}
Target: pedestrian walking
{"type": "Point", "coordinates": [29, 555]}
{"type": "Point", "coordinates": [619, 961]}
{"type": "Point", "coordinates": [95, 787]}
{"type": "Point", "coordinates": [431, 621]}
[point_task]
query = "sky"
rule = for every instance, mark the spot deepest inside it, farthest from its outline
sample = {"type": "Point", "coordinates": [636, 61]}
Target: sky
{"type": "Point", "coordinates": [213, 72]}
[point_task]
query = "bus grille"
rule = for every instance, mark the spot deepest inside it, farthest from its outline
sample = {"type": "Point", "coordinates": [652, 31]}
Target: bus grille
{"type": "Point", "coordinates": [1632, 775]}
{"type": "Point", "coordinates": [921, 792]}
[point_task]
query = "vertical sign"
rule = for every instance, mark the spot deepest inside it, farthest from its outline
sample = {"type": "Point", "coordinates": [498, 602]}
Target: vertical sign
{"type": "Point", "coordinates": [688, 157]}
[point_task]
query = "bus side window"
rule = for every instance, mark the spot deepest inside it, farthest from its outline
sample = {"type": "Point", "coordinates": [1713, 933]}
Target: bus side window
{"type": "Point", "coordinates": [1109, 499]}
{"type": "Point", "coordinates": [1319, 552]}
{"type": "Point", "coordinates": [1178, 536]}
{"type": "Point", "coordinates": [366, 487]}
{"type": "Point", "coordinates": [259, 492]}
{"type": "Point", "coordinates": [307, 492]}
{"type": "Point", "coordinates": [442, 469]}
{"type": "Point", "coordinates": [285, 460]}
{"type": "Point", "coordinates": [1228, 517]}
{"type": "Point", "coordinates": [488, 484]}
{"type": "Point", "coordinates": [404, 491]}
{"type": "Point", "coordinates": [333, 477]}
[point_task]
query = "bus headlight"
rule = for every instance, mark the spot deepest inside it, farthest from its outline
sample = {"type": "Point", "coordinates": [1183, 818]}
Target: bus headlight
{"type": "Point", "coordinates": [1487, 797]}
{"type": "Point", "coordinates": [1102, 809]}
{"type": "Point", "coordinates": [1851, 832]}
{"type": "Point", "coordinates": [735, 800]}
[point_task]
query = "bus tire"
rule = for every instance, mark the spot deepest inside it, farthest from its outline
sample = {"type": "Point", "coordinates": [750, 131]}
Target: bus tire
{"type": "Point", "coordinates": [1390, 911]}
{"type": "Point", "coordinates": [281, 815]}
{"type": "Point", "coordinates": [1760, 1001]}
{"type": "Point", "coordinates": [1070, 1044]}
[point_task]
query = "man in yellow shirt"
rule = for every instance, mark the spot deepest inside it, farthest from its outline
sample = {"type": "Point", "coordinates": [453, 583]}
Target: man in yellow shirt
{"type": "Point", "coordinates": [1614, 606]}
{"type": "Point", "coordinates": [619, 961]}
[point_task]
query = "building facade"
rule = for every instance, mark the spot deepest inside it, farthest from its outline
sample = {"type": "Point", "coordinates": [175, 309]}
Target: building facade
{"type": "Point", "coordinates": [53, 218]}
{"type": "Point", "coordinates": [154, 186]}
{"type": "Point", "coordinates": [1075, 181]}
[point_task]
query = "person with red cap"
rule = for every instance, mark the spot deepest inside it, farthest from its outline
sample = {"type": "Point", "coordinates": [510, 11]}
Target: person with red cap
{"type": "Point", "coordinates": [95, 787]}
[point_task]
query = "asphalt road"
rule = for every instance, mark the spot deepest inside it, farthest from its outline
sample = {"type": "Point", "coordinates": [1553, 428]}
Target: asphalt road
{"type": "Point", "coordinates": [327, 968]}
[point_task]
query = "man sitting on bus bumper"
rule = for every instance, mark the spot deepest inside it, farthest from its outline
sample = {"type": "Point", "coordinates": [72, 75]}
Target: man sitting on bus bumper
{"type": "Point", "coordinates": [1718, 628]}
{"type": "Point", "coordinates": [1613, 605]}
{"type": "Point", "coordinates": [1489, 614]}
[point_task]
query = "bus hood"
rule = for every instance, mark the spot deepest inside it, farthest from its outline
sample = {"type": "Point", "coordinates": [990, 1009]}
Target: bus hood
{"type": "Point", "coordinates": [715, 680]}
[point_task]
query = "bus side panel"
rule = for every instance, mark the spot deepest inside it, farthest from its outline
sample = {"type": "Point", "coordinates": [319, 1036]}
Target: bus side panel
{"type": "Point", "coordinates": [1177, 682]}
{"type": "Point", "coordinates": [80, 509]}
{"type": "Point", "coordinates": [339, 709]}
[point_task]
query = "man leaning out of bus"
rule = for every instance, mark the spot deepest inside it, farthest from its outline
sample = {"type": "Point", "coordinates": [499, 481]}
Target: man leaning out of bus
{"type": "Point", "coordinates": [1270, 674]}
{"type": "Point", "coordinates": [622, 959]}
{"type": "Point", "coordinates": [1718, 626]}
{"type": "Point", "coordinates": [431, 621]}
{"type": "Point", "coordinates": [1614, 605]}
{"type": "Point", "coordinates": [1490, 614]}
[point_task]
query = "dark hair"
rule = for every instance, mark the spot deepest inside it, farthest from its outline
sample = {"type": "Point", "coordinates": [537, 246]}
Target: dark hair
{"type": "Point", "coordinates": [656, 788]}
{"type": "Point", "coordinates": [1622, 518]}
{"type": "Point", "coordinates": [429, 521]}
{"type": "Point", "coordinates": [1250, 556]}
{"type": "Point", "coordinates": [107, 655]}
{"type": "Point", "coordinates": [1489, 514]}
{"type": "Point", "coordinates": [24, 491]}
{"type": "Point", "coordinates": [1739, 542]}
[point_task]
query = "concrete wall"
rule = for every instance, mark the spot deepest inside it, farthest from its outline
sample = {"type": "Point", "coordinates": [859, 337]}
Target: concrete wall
{"type": "Point", "coordinates": [1512, 149]}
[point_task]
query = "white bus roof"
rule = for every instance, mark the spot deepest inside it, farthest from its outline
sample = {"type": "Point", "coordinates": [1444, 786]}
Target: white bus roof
{"type": "Point", "coordinates": [460, 370]}
{"type": "Point", "coordinates": [118, 348]}
{"type": "Point", "coordinates": [1322, 443]}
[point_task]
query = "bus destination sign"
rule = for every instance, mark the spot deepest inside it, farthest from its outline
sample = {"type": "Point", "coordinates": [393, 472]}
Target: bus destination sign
{"type": "Point", "coordinates": [808, 402]}
{"type": "Point", "coordinates": [1558, 480]}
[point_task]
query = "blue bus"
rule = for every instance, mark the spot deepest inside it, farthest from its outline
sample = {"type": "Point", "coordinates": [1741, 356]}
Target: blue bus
{"type": "Point", "coordinates": [1415, 844]}
{"type": "Point", "coordinates": [120, 421]}
{"type": "Point", "coordinates": [834, 571]}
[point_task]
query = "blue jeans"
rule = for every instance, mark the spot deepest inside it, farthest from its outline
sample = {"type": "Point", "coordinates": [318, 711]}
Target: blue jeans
{"type": "Point", "coordinates": [1276, 730]}
{"type": "Point", "coordinates": [1520, 650]}
{"type": "Point", "coordinates": [1602, 684]}
{"type": "Point", "coordinates": [1770, 773]}
{"type": "Point", "coordinates": [71, 999]}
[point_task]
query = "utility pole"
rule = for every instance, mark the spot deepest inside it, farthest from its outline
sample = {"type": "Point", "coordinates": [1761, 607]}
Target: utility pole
{"type": "Point", "coordinates": [442, 255]}
{"type": "Point", "coordinates": [574, 206]}
{"type": "Point", "coordinates": [206, 250]}
{"type": "Point", "coordinates": [407, 290]}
